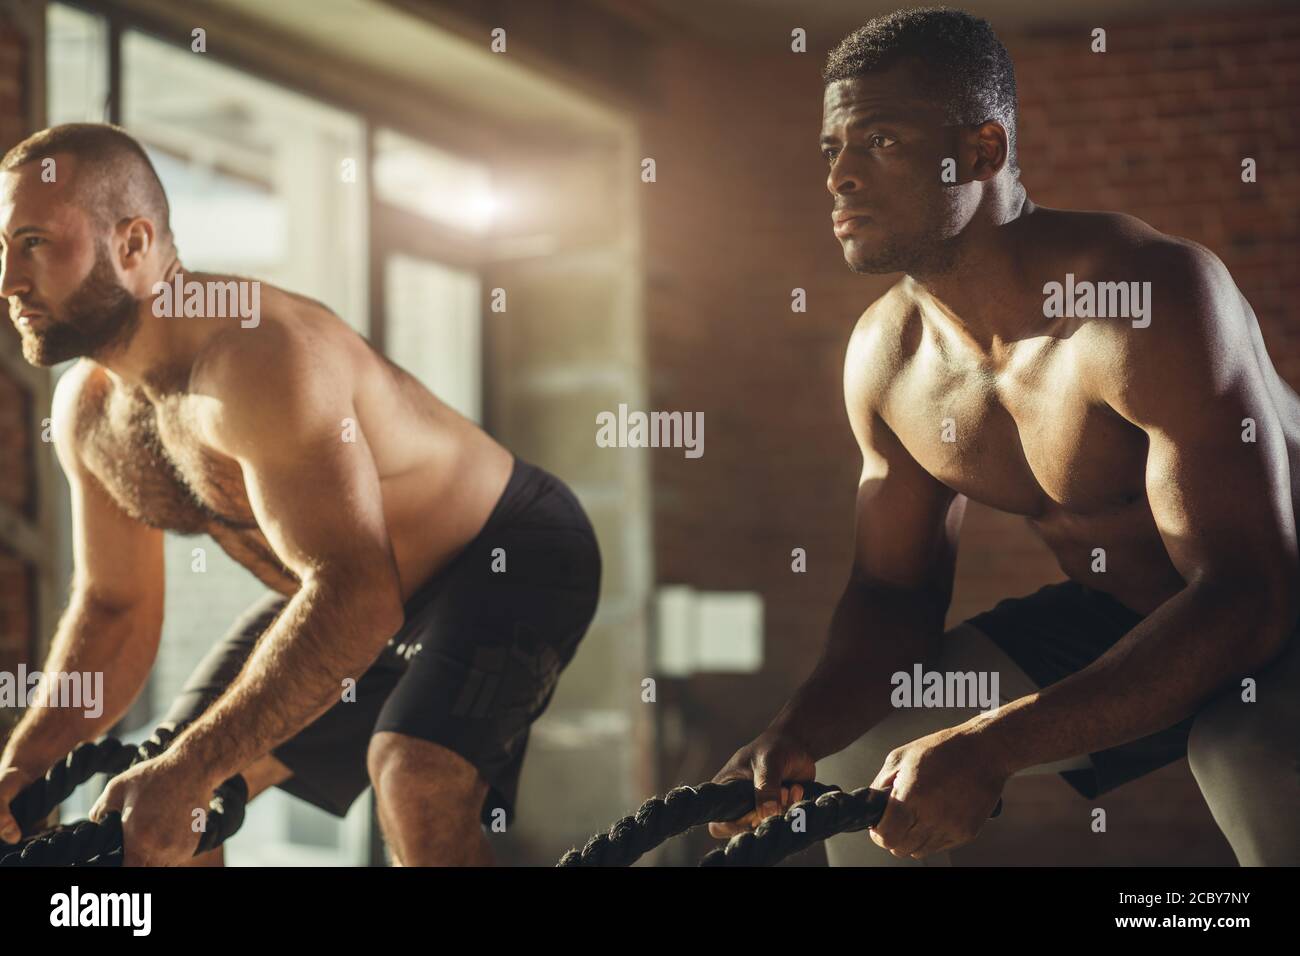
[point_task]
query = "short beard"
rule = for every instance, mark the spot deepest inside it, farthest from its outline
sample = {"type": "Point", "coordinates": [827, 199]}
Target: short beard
{"type": "Point", "coordinates": [933, 251]}
{"type": "Point", "coordinates": [97, 318]}
{"type": "Point", "coordinates": [935, 257]}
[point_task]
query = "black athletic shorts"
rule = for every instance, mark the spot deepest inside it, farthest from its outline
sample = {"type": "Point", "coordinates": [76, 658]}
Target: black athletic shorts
{"type": "Point", "coordinates": [1061, 629]}
{"type": "Point", "coordinates": [474, 664]}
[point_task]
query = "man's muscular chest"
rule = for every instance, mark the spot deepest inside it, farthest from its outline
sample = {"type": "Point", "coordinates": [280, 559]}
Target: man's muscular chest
{"type": "Point", "coordinates": [1027, 436]}
{"type": "Point", "coordinates": [152, 463]}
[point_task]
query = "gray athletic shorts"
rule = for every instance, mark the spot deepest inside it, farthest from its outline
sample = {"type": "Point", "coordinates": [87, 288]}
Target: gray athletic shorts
{"type": "Point", "coordinates": [1061, 629]}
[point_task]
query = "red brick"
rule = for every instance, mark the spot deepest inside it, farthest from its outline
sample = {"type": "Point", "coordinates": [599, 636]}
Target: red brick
{"type": "Point", "coordinates": [1156, 128]}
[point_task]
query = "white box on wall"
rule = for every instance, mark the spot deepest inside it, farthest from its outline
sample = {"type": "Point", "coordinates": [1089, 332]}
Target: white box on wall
{"type": "Point", "coordinates": [713, 631]}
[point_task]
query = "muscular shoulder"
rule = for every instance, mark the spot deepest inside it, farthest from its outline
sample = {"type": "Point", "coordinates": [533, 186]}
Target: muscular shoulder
{"type": "Point", "coordinates": [294, 343]}
{"type": "Point", "coordinates": [250, 382]}
{"type": "Point", "coordinates": [884, 337]}
{"type": "Point", "coordinates": [1074, 238]}
{"type": "Point", "coordinates": [78, 403]}
{"type": "Point", "coordinates": [1111, 246]}
{"type": "Point", "coordinates": [77, 384]}
{"type": "Point", "coordinates": [1196, 322]}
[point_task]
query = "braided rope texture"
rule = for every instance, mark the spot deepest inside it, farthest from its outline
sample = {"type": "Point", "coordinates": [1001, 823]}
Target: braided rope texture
{"type": "Point", "coordinates": [86, 843]}
{"type": "Point", "coordinates": [804, 824]}
{"type": "Point", "coordinates": [825, 811]}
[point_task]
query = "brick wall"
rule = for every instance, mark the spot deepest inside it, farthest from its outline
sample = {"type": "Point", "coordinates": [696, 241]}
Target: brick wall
{"type": "Point", "coordinates": [12, 120]}
{"type": "Point", "coordinates": [16, 491]}
{"type": "Point", "coordinates": [738, 218]}
{"type": "Point", "coordinates": [16, 494]}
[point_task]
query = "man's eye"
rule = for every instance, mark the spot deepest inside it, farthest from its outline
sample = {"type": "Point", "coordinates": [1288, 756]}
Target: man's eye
{"type": "Point", "coordinates": [875, 141]}
{"type": "Point", "coordinates": [31, 242]}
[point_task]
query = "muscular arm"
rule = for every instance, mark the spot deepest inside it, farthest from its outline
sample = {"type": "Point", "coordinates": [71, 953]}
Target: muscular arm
{"type": "Point", "coordinates": [279, 410]}
{"type": "Point", "coordinates": [905, 548]}
{"type": "Point", "coordinates": [1223, 508]}
{"type": "Point", "coordinates": [113, 622]}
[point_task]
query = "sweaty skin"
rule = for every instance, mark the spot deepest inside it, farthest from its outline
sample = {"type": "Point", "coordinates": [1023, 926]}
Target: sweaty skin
{"type": "Point", "coordinates": [1047, 415]}
{"type": "Point", "coordinates": [325, 470]}
{"type": "Point", "coordinates": [1102, 435]}
{"type": "Point", "coordinates": [154, 450]}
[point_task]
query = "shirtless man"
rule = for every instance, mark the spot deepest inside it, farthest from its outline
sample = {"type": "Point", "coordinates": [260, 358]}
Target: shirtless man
{"type": "Point", "coordinates": [1122, 441]}
{"type": "Point", "coordinates": [427, 586]}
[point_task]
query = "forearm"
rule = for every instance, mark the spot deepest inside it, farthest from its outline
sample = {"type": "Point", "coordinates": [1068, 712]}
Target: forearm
{"type": "Point", "coordinates": [120, 645]}
{"type": "Point", "coordinates": [874, 633]}
{"type": "Point", "coordinates": [324, 635]}
{"type": "Point", "coordinates": [1159, 673]}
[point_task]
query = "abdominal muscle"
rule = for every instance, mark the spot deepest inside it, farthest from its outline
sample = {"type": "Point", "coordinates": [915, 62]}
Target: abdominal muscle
{"type": "Point", "coordinates": [1119, 553]}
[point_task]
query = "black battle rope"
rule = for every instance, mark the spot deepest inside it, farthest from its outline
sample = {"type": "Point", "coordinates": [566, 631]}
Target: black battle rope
{"type": "Point", "coordinates": [825, 811]}
{"type": "Point", "coordinates": [100, 844]}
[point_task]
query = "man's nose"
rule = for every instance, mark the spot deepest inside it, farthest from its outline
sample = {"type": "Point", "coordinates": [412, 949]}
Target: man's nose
{"type": "Point", "coordinates": [844, 176]}
{"type": "Point", "coordinates": [12, 280]}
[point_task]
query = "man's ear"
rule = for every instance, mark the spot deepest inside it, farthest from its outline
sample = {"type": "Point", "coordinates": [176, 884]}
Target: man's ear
{"type": "Point", "coordinates": [992, 150]}
{"type": "Point", "coordinates": [136, 240]}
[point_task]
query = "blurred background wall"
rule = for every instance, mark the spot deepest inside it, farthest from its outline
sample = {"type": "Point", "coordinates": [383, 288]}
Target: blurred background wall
{"type": "Point", "coordinates": [1155, 128]}
{"type": "Point", "coordinates": [521, 172]}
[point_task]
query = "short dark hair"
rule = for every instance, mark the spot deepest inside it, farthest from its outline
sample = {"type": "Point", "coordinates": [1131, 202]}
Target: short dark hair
{"type": "Point", "coordinates": [969, 69]}
{"type": "Point", "coordinates": [115, 178]}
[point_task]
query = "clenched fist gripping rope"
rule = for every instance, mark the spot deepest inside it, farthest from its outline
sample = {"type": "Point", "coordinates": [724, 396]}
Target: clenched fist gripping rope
{"type": "Point", "coordinates": [825, 811]}
{"type": "Point", "coordinates": [86, 843]}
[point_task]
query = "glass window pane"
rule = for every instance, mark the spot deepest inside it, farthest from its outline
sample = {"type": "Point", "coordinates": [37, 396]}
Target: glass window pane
{"type": "Point", "coordinates": [76, 66]}
{"type": "Point", "coordinates": [256, 174]}
{"type": "Point", "coordinates": [428, 182]}
{"type": "Point", "coordinates": [432, 328]}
